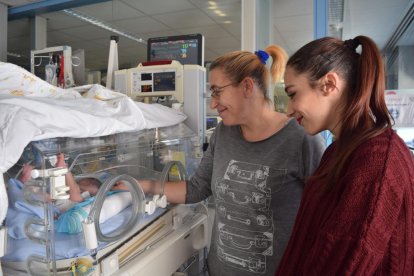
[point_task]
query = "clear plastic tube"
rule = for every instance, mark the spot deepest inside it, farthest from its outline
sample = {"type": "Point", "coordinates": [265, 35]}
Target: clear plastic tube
{"type": "Point", "coordinates": [138, 205]}
{"type": "Point", "coordinates": [182, 173]}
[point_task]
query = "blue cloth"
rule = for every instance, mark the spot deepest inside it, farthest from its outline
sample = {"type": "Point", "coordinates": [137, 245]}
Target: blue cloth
{"type": "Point", "coordinates": [71, 221]}
{"type": "Point", "coordinates": [19, 210]}
{"type": "Point", "coordinates": [72, 246]}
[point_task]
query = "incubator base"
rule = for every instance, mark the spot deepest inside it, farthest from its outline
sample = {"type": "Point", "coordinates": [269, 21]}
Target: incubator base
{"type": "Point", "coordinates": [188, 236]}
{"type": "Point", "coordinates": [159, 248]}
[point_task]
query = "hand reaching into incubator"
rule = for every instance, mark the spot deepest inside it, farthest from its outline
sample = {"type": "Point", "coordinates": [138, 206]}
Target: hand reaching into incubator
{"type": "Point", "coordinates": [173, 190]}
{"type": "Point", "coordinates": [147, 186]}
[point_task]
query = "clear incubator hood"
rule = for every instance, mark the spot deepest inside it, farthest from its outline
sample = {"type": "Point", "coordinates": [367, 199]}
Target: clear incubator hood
{"type": "Point", "coordinates": [45, 239]}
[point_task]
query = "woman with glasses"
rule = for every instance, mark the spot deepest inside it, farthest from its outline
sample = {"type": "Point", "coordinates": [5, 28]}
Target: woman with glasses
{"type": "Point", "coordinates": [254, 168]}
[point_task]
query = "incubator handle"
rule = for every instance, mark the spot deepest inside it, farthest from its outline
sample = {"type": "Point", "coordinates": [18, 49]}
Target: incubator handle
{"type": "Point", "coordinates": [49, 172]}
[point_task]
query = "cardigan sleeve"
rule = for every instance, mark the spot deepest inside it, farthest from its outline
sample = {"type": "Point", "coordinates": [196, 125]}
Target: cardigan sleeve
{"type": "Point", "coordinates": [355, 235]}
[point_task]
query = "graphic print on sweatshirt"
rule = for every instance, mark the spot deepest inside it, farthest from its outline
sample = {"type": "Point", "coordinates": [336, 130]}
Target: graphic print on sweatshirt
{"type": "Point", "coordinates": [244, 215]}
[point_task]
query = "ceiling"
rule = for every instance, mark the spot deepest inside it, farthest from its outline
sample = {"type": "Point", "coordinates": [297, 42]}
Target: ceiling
{"type": "Point", "coordinates": [292, 26]}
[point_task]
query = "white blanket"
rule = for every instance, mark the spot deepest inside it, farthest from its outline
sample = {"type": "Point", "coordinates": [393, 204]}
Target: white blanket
{"type": "Point", "coordinates": [31, 110]}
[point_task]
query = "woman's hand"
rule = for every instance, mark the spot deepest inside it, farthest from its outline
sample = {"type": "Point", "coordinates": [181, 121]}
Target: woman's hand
{"type": "Point", "coordinates": [147, 186]}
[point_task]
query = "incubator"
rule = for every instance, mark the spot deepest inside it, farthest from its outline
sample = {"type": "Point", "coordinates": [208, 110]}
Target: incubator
{"type": "Point", "coordinates": [115, 232]}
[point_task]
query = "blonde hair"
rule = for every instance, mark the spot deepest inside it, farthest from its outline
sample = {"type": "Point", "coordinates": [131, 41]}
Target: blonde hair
{"type": "Point", "coordinates": [241, 64]}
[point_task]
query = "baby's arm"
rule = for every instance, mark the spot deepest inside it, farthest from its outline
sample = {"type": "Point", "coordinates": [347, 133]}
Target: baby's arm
{"type": "Point", "coordinates": [74, 190]}
{"type": "Point", "coordinates": [26, 173]}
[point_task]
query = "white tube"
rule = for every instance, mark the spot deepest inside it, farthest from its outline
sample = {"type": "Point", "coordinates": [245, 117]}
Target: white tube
{"type": "Point", "coordinates": [89, 234]}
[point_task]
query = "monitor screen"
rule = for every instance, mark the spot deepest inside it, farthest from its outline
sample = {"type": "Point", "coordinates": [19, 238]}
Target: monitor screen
{"type": "Point", "coordinates": [187, 49]}
{"type": "Point", "coordinates": [164, 81]}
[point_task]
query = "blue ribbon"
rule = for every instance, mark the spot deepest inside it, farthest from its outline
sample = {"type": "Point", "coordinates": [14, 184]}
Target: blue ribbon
{"type": "Point", "coordinates": [263, 56]}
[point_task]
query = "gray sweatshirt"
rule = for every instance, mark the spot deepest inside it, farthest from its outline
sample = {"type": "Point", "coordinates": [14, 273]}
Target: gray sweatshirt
{"type": "Point", "coordinates": [256, 188]}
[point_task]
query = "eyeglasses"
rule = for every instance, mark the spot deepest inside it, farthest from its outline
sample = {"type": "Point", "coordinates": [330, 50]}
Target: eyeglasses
{"type": "Point", "coordinates": [216, 90]}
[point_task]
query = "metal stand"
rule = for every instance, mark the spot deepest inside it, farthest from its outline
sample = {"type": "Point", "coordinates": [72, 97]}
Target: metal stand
{"type": "Point", "coordinates": [112, 61]}
{"type": "Point", "coordinates": [47, 53]}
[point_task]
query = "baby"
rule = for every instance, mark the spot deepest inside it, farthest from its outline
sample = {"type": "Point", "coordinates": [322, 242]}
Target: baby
{"type": "Point", "coordinates": [78, 190]}
{"type": "Point", "coordinates": [68, 216]}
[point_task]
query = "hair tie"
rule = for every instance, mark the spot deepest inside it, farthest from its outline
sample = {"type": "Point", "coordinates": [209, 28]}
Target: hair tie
{"type": "Point", "coordinates": [352, 44]}
{"type": "Point", "coordinates": [263, 56]}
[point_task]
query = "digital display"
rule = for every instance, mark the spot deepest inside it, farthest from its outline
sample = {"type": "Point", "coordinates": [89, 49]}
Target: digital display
{"type": "Point", "coordinates": [187, 49]}
{"type": "Point", "coordinates": [164, 81]}
{"type": "Point", "coordinates": [146, 88]}
{"type": "Point", "coordinates": [146, 76]}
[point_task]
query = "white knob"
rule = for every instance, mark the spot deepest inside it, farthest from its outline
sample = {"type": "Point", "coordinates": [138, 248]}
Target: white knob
{"type": "Point", "coordinates": [162, 201]}
{"type": "Point", "coordinates": [35, 173]}
{"type": "Point", "coordinates": [150, 207]}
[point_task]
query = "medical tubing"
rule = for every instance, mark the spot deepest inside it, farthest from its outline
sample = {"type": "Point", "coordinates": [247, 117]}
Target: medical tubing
{"type": "Point", "coordinates": [166, 170]}
{"type": "Point", "coordinates": [35, 230]}
{"type": "Point", "coordinates": [36, 265]}
{"type": "Point", "coordinates": [137, 206]}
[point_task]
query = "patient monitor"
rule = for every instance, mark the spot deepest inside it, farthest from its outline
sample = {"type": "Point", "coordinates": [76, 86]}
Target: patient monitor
{"type": "Point", "coordinates": [155, 80]}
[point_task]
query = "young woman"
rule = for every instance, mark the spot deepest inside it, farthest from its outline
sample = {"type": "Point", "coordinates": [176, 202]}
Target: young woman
{"type": "Point", "coordinates": [357, 213]}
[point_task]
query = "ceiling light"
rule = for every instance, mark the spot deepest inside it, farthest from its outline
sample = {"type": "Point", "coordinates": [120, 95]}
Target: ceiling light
{"type": "Point", "coordinates": [335, 18]}
{"type": "Point", "coordinates": [102, 25]}
{"type": "Point", "coordinates": [14, 54]}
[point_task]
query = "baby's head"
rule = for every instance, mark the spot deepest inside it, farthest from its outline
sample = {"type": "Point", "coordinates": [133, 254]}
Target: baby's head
{"type": "Point", "coordinates": [89, 184]}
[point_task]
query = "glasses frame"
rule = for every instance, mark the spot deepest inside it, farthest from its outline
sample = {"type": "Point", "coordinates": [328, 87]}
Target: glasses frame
{"type": "Point", "coordinates": [216, 90]}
